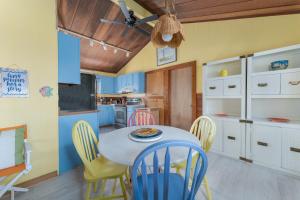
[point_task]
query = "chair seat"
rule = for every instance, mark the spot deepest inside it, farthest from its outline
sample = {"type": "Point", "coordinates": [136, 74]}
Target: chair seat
{"type": "Point", "coordinates": [176, 186]}
{"type": "Point", "coordinates": [103, 168]}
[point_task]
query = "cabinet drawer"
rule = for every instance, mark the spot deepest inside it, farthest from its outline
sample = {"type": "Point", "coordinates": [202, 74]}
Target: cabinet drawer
{"type": "Point", "coordinates": [266, 84]}
{"type": "Point", "coordinates": [214, 87]}
{"type": "Point", "coordinates": [232, 138]}
{"type": "Point", "coordinates": [290, 83]}
{"type": "Point", "coordinates": [232, 87]}
{"type": "Point", "coordinates": [266, 145]}
{"type": "Point", "coordinates": [291, 149]}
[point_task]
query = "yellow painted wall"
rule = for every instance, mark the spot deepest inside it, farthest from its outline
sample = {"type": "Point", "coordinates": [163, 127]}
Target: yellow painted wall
{"type": "Point", "coordinates": [28, 41]}
{"type": "Point", "coordinates": [223, 39]}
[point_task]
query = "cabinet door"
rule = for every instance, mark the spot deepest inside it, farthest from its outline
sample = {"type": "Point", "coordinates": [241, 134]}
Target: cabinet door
{"type": "Point", "coordinates": [291, 149]}
{"type": "Point", "coordinates": [68, 59]}
{"type": "Point", "coordinates": [157, 103]}
{"type": "Point", "coordinates": [232, 138]}
{"type": "Point", "coordinates": [266, 145]}
{"type": "Point", "coordinates": [217, 144]}
{"type": "Point", "coordinates": [290, 83]}
{"type": "Point", "coordinates": [266, 84]}
{"type": "Point", "coordinates": [111, 115]}
{"type": "Point", "coordinates": [155, 83]}
{"type": "Point", "coordinates": [139, 82]}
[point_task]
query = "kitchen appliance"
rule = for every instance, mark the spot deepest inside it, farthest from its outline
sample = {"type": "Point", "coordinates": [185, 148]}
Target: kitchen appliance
{"type": "Point", "coordinates": [121, 115]}
{"type": "Point", "coordinates": [126, 109]}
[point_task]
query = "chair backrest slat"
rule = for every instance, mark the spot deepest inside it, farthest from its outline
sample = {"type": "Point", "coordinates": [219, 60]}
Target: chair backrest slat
{"type": "Point", "coordinates": [163, 190]}
{"type": "Point", "coordinates": [155, 176]}
{"type": "Point", "coordinates": [166, 173]}
{"type": "Point", "coordinates": [141, 117]}
{"type": "Point", "coordinates": [204, 129]}
{"type": "Point", "coordinates": [145, 180]}
{"type": "Point", "coordinates": [187, 174]}
{"type": "Point", "coordinates": [84, 140]}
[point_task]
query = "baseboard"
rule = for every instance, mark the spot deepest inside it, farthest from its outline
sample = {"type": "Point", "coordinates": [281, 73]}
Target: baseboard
{"type": "Point", "coordinates": [37, 180]}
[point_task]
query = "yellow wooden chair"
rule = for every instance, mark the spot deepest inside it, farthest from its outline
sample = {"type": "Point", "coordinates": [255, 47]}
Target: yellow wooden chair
{"type": "Point", "coordinates": [205, 130]}
{"type": "Point", "coordinates": [96, 168]}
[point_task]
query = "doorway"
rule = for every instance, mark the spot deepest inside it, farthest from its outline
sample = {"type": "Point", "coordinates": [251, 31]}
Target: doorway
{"type": "Point", "coordinates": [182, 93]}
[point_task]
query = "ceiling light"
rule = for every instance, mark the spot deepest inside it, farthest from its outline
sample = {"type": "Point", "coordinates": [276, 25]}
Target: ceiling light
{"type": "Point", "coordinates": [104, 47]}
{"type": "Point", "coordinates": [91, 43]}
{"type": "Point", "coordinates": [127, 54]}
{"type": "Point", "coordinates": [115, 51]}
{"type": "Point", "coordinates": [167, 37]}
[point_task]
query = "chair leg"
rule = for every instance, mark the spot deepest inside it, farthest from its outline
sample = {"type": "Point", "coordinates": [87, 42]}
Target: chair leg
{"type": "Point", "coordinates": [12, 194]}
{"type": "Point", "coordinates": [88, 191]}
{"type": "Point", "coordinates": [114, 186]}
{"type": "Point", "coordinates": [102, 187]}
{"type": "Point", "coordinates": [208, 192]}
{"type": "Point", "coordinates": [123, 187]}
{"type": "Point", "coordinates": [95, 186]}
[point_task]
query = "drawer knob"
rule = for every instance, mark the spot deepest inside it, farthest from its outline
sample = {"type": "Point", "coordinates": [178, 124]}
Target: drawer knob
{"type": "Point", "coordinates": [262, 84]}
{"type": "Point", "coordinates": [262, 144]}
{"type": "Point", "coordinates": [297, 150]}
{"type": "Point", "coordinates": [231, 137]}
{"type": "Point", "coordinates": [231, 86]}
{"type": "Point", "coordinates": [294, 82]}
{"type": "Point", "coordinates": [212, 88]}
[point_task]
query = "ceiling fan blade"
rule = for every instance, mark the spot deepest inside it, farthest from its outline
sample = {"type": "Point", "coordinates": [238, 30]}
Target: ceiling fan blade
{"type": "Point", "coordinates": [146, 20]}
{"type": "Point", "coordinates": [124, 9]}
{"type": "Point", "coordinates": [142, 31]}
{"type": "Point", "coordinates": [110, 21]}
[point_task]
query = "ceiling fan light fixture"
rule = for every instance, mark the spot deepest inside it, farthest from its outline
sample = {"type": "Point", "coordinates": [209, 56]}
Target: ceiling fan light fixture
{"type": "Point", "coordinates": [167, 37]}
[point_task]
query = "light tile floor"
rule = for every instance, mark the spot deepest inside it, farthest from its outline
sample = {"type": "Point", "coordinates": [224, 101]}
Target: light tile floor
{"type": "Point", "coordinates": [229, 179]}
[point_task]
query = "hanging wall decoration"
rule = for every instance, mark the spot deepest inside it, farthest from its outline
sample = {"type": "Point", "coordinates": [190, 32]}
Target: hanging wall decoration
{"type": "Point", "coordinates": [46, 91]}
{"type": "Point", "coordinates": [13, 83]}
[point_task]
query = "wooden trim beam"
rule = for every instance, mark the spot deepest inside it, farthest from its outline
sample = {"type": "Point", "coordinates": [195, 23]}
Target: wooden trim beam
{"type": "Point", "coordinates": [284, 10]}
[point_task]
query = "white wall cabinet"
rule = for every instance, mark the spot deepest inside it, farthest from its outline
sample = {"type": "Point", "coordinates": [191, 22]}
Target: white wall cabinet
{"type": "Point", "coordinates": [232, 140]}
{"type": "Point", "coordinates": [291, 149]}
{"type": "Point", "coordinates": [247, 98]}
{"type": "Point", "coordinates": [266, 145]}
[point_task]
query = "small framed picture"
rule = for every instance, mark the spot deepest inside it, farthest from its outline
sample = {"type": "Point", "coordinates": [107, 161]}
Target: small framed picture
{"type": "Point", "coordinates": [166, 55]}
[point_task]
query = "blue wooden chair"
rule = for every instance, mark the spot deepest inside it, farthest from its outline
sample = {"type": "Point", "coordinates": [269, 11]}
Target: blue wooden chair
{"type": "Point", "coordinates": [164, 184]}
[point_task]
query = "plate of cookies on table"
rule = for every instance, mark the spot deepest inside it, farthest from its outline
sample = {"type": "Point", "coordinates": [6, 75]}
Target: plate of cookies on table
{"type": "Point", "coordinates": [146, 135]}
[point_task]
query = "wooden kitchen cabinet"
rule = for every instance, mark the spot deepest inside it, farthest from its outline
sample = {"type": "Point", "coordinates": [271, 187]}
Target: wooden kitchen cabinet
{"type": "Point", "coordinates": [155, 83]}
{"type": "Point", "coordinates": [159, 104]}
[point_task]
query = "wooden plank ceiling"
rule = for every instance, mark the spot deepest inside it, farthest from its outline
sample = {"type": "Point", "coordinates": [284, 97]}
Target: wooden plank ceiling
{"type": "Point", "coordinates": [210, 10]}
{"type": "Point", "coordinates": [82, 16]}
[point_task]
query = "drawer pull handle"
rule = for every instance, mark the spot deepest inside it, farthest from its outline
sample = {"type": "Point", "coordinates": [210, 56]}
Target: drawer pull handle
{"type": "Point", "coordinates": [262, 84]}
{"type": "Point", "coordinates": [212, 88]}
{"type": "Point", "coordinates": [297, 150]}
{"type": "Point", "coordinates": [231, 86]}
{"type": "Point", "coordinates": [294, 82]}
{"type": "Point", "coordinates": [262, 144]}
{"type": "Point", "coordinates": [231, 137]}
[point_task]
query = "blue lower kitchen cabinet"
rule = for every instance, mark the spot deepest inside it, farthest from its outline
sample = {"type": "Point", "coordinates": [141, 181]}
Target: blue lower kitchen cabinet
{"type": "Point", "coordinates": [68, 157]}
{"type": "Point", "coordinates": [106, 115]}
{"type": "Point", "coordinates": [68, 59]}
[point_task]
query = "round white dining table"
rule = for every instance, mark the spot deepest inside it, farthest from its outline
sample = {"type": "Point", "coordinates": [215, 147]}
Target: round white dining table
{"type": "Point", "coordinates": [118, 147]}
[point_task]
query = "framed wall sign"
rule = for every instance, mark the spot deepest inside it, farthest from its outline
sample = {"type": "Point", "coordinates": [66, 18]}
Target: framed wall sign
{"type": "Point", "coordinates": [13, 83]}
{"type": "Point", "coordinates": [166, 55]}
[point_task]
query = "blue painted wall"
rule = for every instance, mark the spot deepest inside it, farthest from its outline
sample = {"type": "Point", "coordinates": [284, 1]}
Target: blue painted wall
{"type": "Point", "coordinates": [68, 157]}
{"type": "Point", "coordinates": [68, 59]}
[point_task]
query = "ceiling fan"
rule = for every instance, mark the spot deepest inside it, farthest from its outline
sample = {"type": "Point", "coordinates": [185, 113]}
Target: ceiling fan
{"type": "Point", "coordinates": [130, 19]}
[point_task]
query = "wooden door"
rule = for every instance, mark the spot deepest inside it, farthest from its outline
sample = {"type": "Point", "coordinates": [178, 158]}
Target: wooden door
{"type": "Point", "coordinates": [182, 97]}
{"type": "Point", "coordinates": [155, 82]}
